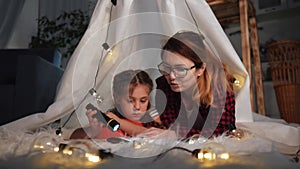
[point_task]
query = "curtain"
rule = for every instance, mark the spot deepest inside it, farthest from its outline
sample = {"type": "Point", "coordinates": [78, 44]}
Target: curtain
{"type": "Point", "coordinates": [9, 13]}
{"type": "Point", "coordinates": [53, 8]}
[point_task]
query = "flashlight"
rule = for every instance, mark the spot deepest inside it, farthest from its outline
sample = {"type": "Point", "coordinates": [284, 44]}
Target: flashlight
{"type": "Point", "coordinates": [112, 124]}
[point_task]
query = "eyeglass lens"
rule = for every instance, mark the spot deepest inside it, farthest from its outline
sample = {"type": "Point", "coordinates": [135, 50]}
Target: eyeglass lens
{"type": "Point", "coordinates": [178, 70]}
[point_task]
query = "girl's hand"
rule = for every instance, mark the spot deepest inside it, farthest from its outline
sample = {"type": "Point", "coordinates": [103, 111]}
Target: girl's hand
{"type": "Point", "coordinates": [95, 125]}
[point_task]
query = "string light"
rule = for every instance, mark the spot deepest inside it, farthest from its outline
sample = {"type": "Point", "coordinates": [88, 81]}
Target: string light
{"type": "Point", "coordinates": [196, 138]}
{"type": "Point", "coordinates": [81, 150]}
{"type": "Point", "coordinates": [237, 133]}
{"type": "Point", "coordinates": [296, 158]}
{"type": "Point", "coordinates": [238, 82]}
{"type": "Point", "coordinates": [209, 152]}
{"type": "Point", "coordinates": [138, 143]}
{"type": "Point", "coordinates": [85, 152]}
{"type": "Point", "coordinates": [213, 151]}
{"type": "Point", "coordinates": [58, 132]}
{"type": "Point", "coordinates": [107, 48]}
{"type": "Point", "coordinates": [45, 143]}
{"type": "Point", "coordinates": [94, 93]}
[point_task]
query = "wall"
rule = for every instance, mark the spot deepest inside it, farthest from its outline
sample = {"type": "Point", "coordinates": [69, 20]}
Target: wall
{"type": "Point", "coordinates": [26, 25]}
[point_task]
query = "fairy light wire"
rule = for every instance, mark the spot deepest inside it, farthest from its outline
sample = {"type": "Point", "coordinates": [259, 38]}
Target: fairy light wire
{"type": "Point", "coordinates": [159, 156]}
{"type": "Point", "coordinates": [59, 130]}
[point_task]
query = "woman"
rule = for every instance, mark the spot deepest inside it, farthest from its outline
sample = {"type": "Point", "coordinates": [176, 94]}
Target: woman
{"type": "Point", "coordinates": [199, 101]}
{"type": "Point", "coordinates": [131, 90]}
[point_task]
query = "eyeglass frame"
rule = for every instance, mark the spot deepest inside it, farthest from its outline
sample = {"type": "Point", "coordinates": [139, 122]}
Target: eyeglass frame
{"type": "Point", "coordinates": [197, 65]}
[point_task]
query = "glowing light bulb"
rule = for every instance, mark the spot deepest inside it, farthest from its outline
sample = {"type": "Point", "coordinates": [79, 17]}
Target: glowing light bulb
{"type": "Point", "coordinates": [213, 151]}
{"type": "Point", "coordinates": [137, 144]}
{"type": "Point", "coordinates": [92, 157]}
{"type": "Point", "coordinates": [224, 156]}
{"type": "Point", "coordinates": [235, 132]}
{"type": "Point", "coordinates": [238, 82]}
{"type": "Point", "coordinates": [56, 149]}
{"type": "Point", "coordinates": [238, 133]}
{"type": "Point", "coordinates": [196, 138]}
{"type": "Point", "coordinates": [82, 150]}
{"type": "Point", "coordinates": [110, 52]}
{"type": "Point", "coordinates": [44, 143]}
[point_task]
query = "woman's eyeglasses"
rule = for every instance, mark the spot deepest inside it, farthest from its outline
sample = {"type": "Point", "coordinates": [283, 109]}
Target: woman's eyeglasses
{"type": "Point", "coordinates": [179, 71]}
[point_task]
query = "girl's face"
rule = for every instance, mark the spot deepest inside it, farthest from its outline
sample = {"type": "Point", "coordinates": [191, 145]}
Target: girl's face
{"type": "Point", "coordinates": [134, 106]}
{"type": "Point", "coordinates": [181, 84]}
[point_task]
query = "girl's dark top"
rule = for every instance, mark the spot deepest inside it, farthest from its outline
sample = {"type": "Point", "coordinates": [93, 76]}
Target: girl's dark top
{"type": "Point", "coordinates": [209, 120]}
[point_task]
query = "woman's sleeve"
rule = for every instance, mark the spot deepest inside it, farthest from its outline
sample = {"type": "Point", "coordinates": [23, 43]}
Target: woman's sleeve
{"type": "Point", "coordinates": [223, 121]}
{"type": "Point", "coordinates": [228, 115]}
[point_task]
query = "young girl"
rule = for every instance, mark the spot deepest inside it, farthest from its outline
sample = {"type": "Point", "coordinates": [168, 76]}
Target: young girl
{"type": "Point", "coordinates": [131, 90]}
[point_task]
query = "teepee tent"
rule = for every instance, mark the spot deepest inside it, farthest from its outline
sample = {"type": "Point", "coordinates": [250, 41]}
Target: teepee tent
{"type": "Point", "coordinates": [129, 35]}
{"type": "Point", "coordinates": [135, 31]}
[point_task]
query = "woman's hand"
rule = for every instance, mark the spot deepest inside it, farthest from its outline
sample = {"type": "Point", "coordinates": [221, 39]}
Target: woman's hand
{"type": "Point", "coordinates": [158, 133]}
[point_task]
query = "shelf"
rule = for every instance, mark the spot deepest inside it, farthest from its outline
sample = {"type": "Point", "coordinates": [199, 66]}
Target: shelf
{"type": "Point", "coordinates": [228, 11]}
{"type": "Point", "coordinates": [242, 11]}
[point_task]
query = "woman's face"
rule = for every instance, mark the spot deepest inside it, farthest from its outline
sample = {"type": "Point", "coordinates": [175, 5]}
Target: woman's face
{"type": "Point", "coordinates": [134, 106]}
{"type": "Point", "coordinates": [181, 84]}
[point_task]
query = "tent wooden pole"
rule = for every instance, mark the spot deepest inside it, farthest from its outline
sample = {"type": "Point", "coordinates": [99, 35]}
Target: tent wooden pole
{"type": "Point", "coordinates": [257, 67]}
{"type": "Point", "coordinates": [243, 12]}
{"type": "Point", "coordinates": [246, 55]}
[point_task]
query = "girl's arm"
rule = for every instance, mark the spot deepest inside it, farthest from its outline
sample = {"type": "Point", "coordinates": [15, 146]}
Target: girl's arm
{"type": "Point", "coordinates": [134, 130]}
{"type": "Point", "coordinates": [126, 126]}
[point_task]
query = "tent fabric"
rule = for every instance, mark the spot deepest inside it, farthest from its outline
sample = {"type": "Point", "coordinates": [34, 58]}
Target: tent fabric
{"type": "Point", "coordinates": [135, 31]}
{"type": "Point", "coordinates": [135, 28]}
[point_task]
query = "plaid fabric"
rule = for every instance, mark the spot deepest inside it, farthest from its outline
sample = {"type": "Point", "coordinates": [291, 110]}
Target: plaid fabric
{"type": "Point", "coordinates": [209, 120]}
{"type": "Point", "coordinates": [154, 124]}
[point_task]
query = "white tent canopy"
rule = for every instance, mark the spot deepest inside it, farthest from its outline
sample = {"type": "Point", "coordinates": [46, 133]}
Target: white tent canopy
{"type": "Point", "coordinates": [135, 30]}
